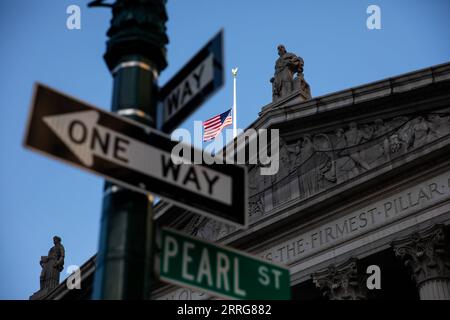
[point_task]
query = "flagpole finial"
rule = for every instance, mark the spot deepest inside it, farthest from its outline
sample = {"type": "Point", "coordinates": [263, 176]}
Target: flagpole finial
{"type": "Point", "coordinates": [234, 71]}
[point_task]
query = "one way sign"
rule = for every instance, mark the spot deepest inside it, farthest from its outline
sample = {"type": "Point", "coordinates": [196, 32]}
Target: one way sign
{"type": "Point", "coordinates": [133, 155]}
{"type": "Point", "coordinates": [192, 85]}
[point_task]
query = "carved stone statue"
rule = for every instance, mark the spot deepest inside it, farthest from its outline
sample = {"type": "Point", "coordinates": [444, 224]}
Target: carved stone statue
{"type": "Point", "coordinates": [378, 153]}
{"type": "Point", "coordinates": [285, 165]}
{"type": "Point", "coordinates": [52, 264]}
{"type": "Point", "coordinates": [439, 126]}
{"type": "Point", "coordinates": [420, 129]}
{"type": "Point", "coordinates": [309, 180]}
{"type": "Point", "coordinates": [354, 137]}
{"type": "Point", "coordinates": [324, 160]}
{"type": "Point", "coordinates": [256, 207]}
{"type": "Point", "coordinates": [280, 180]}
{"type": "Point", "coordinates": [283, 82]}
{"type": "Point", "coordinates": [295, 153]}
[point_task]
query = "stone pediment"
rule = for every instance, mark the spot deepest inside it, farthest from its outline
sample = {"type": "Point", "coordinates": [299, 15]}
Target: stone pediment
{"type": "Point", "coordinates": [328, 160]}
{"type": "Point", "coordinates": [331, 144]}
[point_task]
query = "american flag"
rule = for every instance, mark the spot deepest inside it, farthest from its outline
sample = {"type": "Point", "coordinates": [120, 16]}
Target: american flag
{"type": "Point", "coordinates": [213, 126]}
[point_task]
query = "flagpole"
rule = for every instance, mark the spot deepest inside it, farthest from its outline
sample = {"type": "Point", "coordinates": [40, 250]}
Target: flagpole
{"type": "Point", "coordinates": [234, 71]}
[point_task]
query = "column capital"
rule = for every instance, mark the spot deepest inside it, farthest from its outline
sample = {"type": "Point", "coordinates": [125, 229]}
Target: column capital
{"type": "Point", "coordinates": [342, 281]}
{"type": "Point", "coordinates": [425, 253]}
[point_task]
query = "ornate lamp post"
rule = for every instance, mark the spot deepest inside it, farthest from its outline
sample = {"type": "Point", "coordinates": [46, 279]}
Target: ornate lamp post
{"type": "Point", "coordinates": [135, 56]}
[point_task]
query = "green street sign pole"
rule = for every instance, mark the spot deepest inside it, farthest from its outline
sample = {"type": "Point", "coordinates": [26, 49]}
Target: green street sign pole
{"type": "Point", "coordinates": [135, 56]}
{"type": "Point", "coordinates": [221, 271]}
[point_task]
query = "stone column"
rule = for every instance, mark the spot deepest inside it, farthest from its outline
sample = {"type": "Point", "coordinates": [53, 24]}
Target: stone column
{"type": "Point", "coordinates": [426, 254]}
{"type": "Point", "coordinates": [342, 282]}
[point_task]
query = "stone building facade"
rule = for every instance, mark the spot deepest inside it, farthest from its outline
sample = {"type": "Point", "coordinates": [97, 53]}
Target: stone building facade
{"type": "Point", "coordinates": [364, 180]}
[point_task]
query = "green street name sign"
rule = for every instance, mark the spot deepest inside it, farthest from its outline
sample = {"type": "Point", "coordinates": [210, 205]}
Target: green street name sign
{"type": "Point", "coordinates": [221, 271]}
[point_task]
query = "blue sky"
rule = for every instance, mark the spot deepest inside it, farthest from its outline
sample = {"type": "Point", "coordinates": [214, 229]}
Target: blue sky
{"type": "Point", "coordinates": [40, 197]}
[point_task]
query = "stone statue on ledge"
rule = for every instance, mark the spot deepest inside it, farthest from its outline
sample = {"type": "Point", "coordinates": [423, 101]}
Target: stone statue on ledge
{"type": "Point", "coordinates": [283, 82]}
{"type": "Point", "coordinates": [52, 265]}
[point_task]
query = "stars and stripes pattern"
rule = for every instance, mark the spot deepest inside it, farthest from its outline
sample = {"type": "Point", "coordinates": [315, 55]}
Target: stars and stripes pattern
{"type": "Point", "coordinates": [213, 126]}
